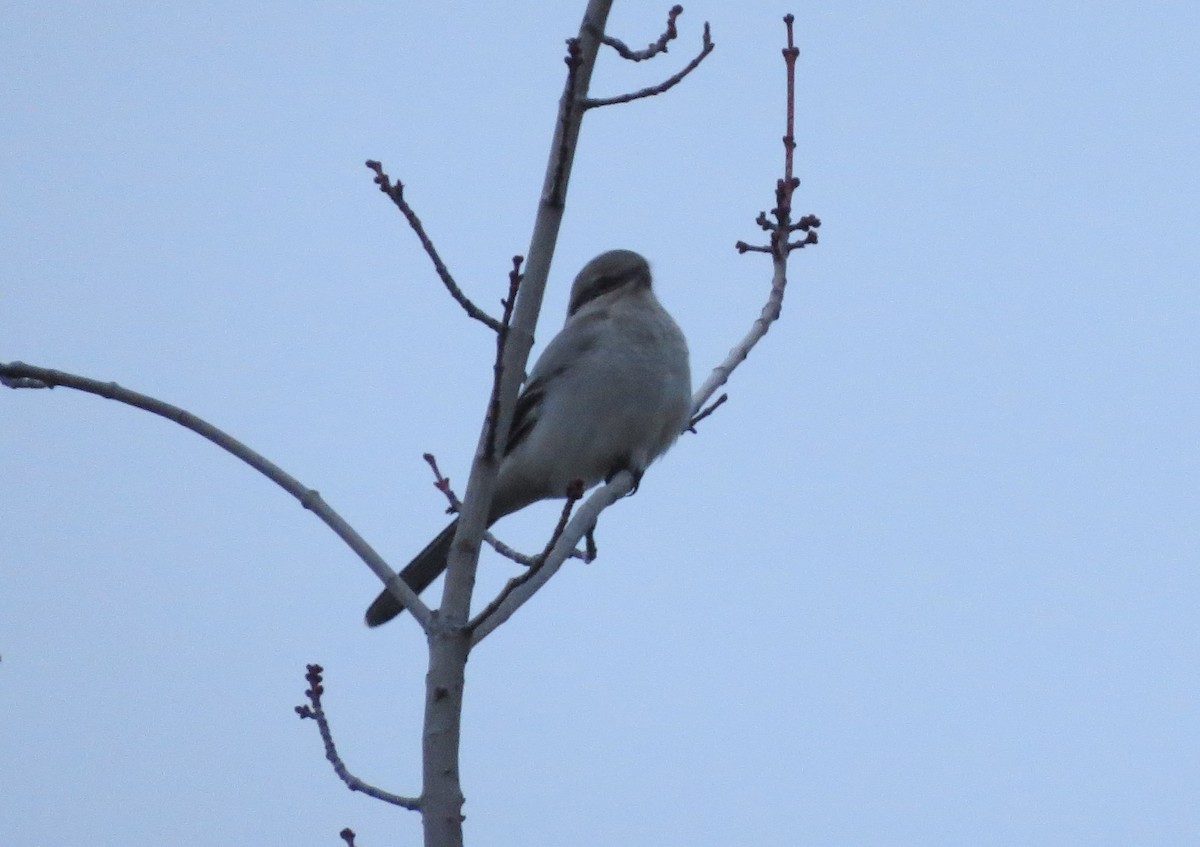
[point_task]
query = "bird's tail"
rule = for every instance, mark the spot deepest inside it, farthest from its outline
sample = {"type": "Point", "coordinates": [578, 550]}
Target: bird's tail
{"type": "Point", "coordinates": [419, 573]}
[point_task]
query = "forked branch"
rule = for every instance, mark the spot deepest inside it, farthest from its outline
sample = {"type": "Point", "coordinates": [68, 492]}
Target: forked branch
{"type": "Point", "coordinates": [659, 46]}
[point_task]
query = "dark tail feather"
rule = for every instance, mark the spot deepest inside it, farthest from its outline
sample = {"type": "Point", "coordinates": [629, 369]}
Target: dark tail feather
{"type": "Point", "coordinates": [419, 573]}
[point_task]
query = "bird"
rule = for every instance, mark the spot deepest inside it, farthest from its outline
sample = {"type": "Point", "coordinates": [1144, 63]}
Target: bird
{"type": "Point", "coordinates": [611, 392]}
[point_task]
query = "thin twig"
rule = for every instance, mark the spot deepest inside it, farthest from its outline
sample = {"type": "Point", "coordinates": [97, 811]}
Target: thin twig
{"type": "Point", "coordinates": [574, 495]}
{"type": "Point", "coordinates": [659, 46]}
{"type": "Point", "coordinates": [514, 283]}
{"type": "Point", "coordinates": [21, 375]}
{"type": "Point", "coordinates": [442, 484]}
{"type": "Point", "coordinates": [670, 82]}
{"type": "Point", "coordinates": [315, 711]}
{"type": "Point", "coordinates": [347, 835]}
{"type": "Point", "coordinates": [704, 413]}
{"type": "Point", "coordinates": [396, 193]}
{"type": "Point", "coordinates": [555, 198]}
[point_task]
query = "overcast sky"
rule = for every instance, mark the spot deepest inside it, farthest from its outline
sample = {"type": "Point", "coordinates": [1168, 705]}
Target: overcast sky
{"type": "Point", "coordinates": [929, 578]}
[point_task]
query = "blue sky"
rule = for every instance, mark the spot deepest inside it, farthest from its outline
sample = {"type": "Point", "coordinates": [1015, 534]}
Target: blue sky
{"type": "Point", "coordinates": [929, 578]}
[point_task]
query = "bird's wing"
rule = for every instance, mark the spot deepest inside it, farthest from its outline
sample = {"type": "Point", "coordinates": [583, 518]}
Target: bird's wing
{"type": "Point", "coordinates": [565, 351]}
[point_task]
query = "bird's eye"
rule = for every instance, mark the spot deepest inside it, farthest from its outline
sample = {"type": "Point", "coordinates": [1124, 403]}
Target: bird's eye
{"type": "Point", "coordinates": [597, 287]}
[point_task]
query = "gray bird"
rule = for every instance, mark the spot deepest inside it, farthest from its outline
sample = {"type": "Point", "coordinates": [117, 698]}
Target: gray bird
{"type": "Point", "coordinates": [611, 392]}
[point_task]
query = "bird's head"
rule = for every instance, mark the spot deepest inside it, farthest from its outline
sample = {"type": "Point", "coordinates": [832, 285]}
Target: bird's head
{"type": "Point", "coordinates": [615, 271]}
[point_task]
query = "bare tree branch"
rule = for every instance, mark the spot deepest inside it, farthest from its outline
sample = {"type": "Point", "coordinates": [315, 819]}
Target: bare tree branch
{"type": "Point", "coordinates": [670, 82]}
{"type": "Point", "coordinates": [21, 375]}
{"type": "Point", "coordinates": [779, 247]}
{"type": "Point", "coordinates": [396, 193]}
{"type": "Point", "coordinates": [659, 46]}
{"type": "Point", "coordinates": [315, 711]}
